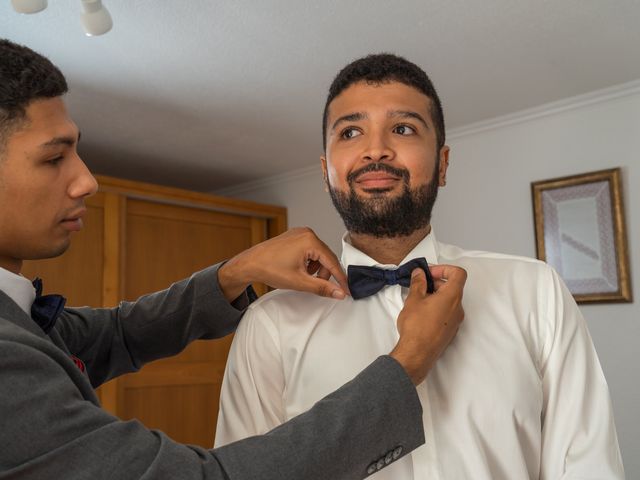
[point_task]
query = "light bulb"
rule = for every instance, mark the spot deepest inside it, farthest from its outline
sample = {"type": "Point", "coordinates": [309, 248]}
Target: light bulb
{"type": "Point", "coordinates": [29, 6]}
{"type": "Point", "coordinates": [95, 18]}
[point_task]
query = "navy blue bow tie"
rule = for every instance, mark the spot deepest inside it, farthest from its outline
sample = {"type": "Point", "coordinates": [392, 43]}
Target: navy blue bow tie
{"type": "Point", "coordinates": [366, 281]}
{"type": "Point", "coordinates": [46, 308]}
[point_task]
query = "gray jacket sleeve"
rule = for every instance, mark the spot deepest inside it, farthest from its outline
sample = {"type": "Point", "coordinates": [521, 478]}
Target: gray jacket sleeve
{"type": "Point", "coordinates": [121, 340]}
{"type": "Point", "coordinates": [51, 430]}
{"type": "Point", "coordinates": [52, 426]}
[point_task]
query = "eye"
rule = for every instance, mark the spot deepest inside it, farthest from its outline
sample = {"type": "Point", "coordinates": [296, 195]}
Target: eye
{"type": "Point", "coordinates": [404, 130]}
{"type": "Point", "coordinates": [348, 133]}
{"type": "Point", "coordinates": [54, 161]}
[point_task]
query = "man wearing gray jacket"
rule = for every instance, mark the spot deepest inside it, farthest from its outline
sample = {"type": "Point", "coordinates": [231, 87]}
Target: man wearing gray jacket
{"type": "Point", "coordinates": [51, 358]}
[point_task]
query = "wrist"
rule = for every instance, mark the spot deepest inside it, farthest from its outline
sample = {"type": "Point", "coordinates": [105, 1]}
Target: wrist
{"type": "Point", "coordinates": [414, 369]}
{"type": "Point", "coordinates": [413, 373]}
{"type": "Point", "coordinates": [231, 281]}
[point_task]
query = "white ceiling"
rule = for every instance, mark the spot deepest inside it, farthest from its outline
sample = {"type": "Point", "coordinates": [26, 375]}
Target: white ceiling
{"type": "Point", "coordinates": [206, 94]}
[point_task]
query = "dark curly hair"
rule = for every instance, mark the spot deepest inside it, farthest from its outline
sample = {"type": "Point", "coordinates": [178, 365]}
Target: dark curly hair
{"type": "Point", "coordinates": [383, 68]}
{"type": "Point", "coordinates": [24, 76]}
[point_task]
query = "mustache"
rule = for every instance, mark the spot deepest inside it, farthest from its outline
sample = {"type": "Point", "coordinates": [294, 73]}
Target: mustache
{"type": "Point", "coordinates": [379, 167]}
{"type": "Point", "coordinates": [73, 210]}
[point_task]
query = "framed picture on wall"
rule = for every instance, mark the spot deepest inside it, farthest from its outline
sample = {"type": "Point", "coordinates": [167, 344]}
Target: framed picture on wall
{"type": "Point", "coordinates": [580, 231]}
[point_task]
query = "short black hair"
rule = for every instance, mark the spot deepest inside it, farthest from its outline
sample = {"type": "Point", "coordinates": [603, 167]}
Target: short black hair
{"type": "Point", "coordinates": [384, 68]}
{"type": "Point", "coordinates": [24, 76]}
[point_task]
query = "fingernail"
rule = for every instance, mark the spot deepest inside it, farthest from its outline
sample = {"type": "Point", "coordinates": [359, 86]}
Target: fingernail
{"type": "Point", "coordinates": [415, 273]}
{"type": "Point", "coordinates": [338, 294]}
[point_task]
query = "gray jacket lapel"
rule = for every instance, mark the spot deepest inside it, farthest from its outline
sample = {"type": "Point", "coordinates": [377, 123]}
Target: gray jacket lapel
{"type": "Point", "coordinates": [10, 311]}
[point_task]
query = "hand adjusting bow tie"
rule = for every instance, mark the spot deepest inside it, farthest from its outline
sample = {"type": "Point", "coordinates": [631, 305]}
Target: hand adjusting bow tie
{"type": "Point", "coordinates": [46, 308]}
{"type": "Point", "coordinates": [366, 281]}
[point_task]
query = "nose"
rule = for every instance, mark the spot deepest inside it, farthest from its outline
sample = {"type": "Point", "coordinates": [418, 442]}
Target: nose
{"type": "Point", "coordinates": [84, 183]}
{"type": "Point", "coordinates": [378, 149]}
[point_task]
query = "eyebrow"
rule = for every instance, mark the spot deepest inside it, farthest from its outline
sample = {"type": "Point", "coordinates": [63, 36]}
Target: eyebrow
{"type": "Point", "coordinates": [68, 141]}
{"type": "Point", "coordinates": [355, 117]}
{"type": "Point", "coordinates": [351, 117]}
{"type": "Point", "coordinates": [407, 114]}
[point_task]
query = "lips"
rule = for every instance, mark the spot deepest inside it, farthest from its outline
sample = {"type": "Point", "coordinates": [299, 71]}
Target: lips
{"type": "Point", "coordinates": [75, 215]}
{"type": "Point", "coordinates": [378, 179]}
{"type": "Point", "coordinates": [73, 221]}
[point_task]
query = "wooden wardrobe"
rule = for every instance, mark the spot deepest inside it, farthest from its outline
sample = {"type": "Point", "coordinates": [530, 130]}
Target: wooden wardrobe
{"type": "Point", "coordinates": [139, 238]}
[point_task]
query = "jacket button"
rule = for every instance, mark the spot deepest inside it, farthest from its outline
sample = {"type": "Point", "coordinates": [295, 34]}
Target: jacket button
{"type": "Point", "coordinates": [397, 452]}
{"type": "Point", "coordinates": [372, 468]}
{"type": "Point", "coordinates": [388, 458]}
{"type": "Point", "coordinates": [380, 464]}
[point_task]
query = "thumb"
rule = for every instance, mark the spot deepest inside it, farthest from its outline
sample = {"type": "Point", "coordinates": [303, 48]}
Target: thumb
{"type": "Point", "coordinates": [418, 285]}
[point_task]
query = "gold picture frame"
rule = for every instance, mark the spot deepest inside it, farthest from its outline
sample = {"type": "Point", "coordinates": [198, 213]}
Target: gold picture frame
{"type": "Point", "coordinates": [580, 231]}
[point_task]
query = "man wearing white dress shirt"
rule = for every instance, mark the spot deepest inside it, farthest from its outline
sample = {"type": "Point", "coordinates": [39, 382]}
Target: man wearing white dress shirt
{"type": "Point", "coordinates": [519, 394]}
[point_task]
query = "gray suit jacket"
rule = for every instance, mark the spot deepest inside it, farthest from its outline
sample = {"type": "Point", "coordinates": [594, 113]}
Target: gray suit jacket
{"type": "Point", "coordinates": [52, 427]}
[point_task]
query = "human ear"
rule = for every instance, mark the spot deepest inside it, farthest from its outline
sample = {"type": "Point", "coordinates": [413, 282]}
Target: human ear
{"type": "Point", "coordinates": [444, 165]}
{"type": "Point", "coordinates": [325, 175]}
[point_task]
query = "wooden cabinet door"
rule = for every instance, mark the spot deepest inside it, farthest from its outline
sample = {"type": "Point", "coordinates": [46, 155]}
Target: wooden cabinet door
{"type": "Point", "coordinates": [163, 244]}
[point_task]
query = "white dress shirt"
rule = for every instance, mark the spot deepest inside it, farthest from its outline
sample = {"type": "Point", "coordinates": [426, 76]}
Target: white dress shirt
{"type": "Point", "coordinates": [18, 288]}
{"type": "Point", "coordinates": [519, 393]}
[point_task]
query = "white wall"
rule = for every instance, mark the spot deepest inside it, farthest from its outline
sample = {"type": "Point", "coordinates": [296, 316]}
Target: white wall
{"type": "Point", "coordinates": [487, 205]}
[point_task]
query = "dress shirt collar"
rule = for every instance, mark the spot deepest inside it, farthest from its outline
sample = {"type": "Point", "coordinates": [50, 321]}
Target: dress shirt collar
{"type": "Point", "coordinates": [18, 288]}
{"type": "Point", "coordinates": [427, 248]}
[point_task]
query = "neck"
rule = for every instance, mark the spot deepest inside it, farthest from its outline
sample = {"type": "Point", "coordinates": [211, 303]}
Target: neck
{"type": "Point", "coordinates": [11, 264]}
{"type": "Point", "coordinates": [388, 250]}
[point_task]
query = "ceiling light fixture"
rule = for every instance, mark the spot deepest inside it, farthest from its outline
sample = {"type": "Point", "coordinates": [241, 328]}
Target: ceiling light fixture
{"type": "Point", "coordinates": [29, 6]}
{"type": "Point", "coordinates": [96, 19]}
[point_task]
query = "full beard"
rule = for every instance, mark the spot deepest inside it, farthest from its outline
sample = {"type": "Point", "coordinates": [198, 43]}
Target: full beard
{"type": "Point", "coordinates": [386, 217]}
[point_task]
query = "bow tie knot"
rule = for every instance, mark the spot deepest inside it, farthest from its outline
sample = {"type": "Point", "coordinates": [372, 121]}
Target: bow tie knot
{"type": "Point", "coordinates": [391, 277]}
{"type": "Point", "coordinates": [366, 281]}
{"type": "Point", "coordinates": [46, 308]}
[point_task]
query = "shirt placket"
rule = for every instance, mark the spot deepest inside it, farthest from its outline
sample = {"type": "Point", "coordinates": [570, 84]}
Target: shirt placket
{"type": "Point", "coordinates": [424, 458]}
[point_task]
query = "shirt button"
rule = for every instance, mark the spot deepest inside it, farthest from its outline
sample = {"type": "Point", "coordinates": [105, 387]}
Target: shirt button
{"type": "Point", "coordinates": [397, 452]}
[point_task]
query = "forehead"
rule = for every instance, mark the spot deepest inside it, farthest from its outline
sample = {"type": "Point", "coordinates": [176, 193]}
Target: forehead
{"type": "Point", "coordinates": [46, 118]}
{"type": "Point", "coordinates": [366, 97]}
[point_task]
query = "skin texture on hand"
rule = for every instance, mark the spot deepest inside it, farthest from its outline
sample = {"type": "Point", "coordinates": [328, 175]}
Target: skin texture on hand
{"type": "Point", "coordinates": [428, 322]}
{"type": "Point", "coordinates": [294, 260]}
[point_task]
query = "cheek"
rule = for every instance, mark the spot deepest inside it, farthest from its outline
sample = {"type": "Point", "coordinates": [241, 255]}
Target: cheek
{"type": "Point", "coordinates": [340, 166]}
{"type": "Point", "coordinates": [335, 174]}
{"type": "Point", "coordinates": [421, 166]}
{"type": "Point", "coordinates": [17, 221]}
{"type": "Point", "coordinates": [26, 206]}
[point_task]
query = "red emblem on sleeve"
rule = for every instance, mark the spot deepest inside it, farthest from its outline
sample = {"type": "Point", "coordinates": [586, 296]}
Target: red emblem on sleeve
{"type": "Point", "coordinates": [79, 363]}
